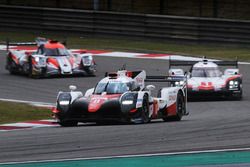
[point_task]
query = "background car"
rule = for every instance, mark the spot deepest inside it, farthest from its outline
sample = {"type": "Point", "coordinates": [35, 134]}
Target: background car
{"type": "Point", "coordinates": [205, 78]}
{"type": "Point", "coordinates": [50, 58]}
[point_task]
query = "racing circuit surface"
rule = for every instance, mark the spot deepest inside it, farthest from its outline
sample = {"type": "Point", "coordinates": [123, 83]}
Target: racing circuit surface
{"type": "Point", "coordinates": [211, 125]}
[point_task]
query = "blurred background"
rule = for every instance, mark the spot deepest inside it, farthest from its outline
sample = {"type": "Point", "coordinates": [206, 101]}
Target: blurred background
{"type": "Point", "coordinates": [231, 9]}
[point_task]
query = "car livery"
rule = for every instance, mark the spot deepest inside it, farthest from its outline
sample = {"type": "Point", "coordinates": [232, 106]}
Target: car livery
{"type": "Point", "coordinates": [123, 97]}
{"type": "Point", "coordinates": [50, 58]}
{"type": "Point", "coordinates": [205, 78]}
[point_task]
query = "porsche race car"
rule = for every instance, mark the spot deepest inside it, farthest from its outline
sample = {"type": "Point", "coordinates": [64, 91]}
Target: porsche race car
{"type": "Point", "coordinates": [122, 96]}
{"type": "Point", "coordinates": [50, 58]}
{"type": "Point", "coordinates": [205, 78]}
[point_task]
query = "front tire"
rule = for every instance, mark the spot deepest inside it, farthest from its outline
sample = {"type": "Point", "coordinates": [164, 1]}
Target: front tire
{"type": "Point", "coordinates": [90, 71]}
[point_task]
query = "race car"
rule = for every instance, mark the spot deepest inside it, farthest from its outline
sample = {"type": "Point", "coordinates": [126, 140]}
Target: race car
{"type": "Point", "coordinates": [205, 78]}
{"type": "Point", "coordinates": [50, 58]}
{"type": "Point", "coordinates": [122, 97]}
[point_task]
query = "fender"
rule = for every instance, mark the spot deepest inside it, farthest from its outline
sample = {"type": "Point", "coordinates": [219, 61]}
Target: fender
{"type": "Point", "coordinates": [169, 96]}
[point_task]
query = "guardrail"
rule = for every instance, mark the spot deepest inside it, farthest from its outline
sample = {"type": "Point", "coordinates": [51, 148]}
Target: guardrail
{"type": "Point", "coordinates": [144, 26]}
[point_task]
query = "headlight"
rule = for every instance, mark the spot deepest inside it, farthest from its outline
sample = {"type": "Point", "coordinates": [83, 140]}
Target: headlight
{"type": "Point", "coordinates": [233, 84]}
{"type": "Point", "coordinates": [127, 102]}
{"type": "Point", "coordinates": [37, 59]}
{"type": "Point", "coordinates": [40, 60]}
{"type": "Point", "coordinates": [179, 83]}
{"type": "Point", "coordinates": [87, 60]}
{"type": "Point", "coordinates": [64, 102]}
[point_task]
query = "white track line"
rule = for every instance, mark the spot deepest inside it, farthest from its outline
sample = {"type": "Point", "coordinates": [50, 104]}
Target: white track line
{"type": "Point", "coordinates": [131, 156]}
{"type": "Point", "coordinates": [34, 103]}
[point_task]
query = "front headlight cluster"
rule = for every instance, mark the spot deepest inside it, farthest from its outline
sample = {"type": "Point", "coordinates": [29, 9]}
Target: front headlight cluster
{"type": "Point", "coordinates": [64, 102]}
{"type": "Point", "coordinates": [127, 102]}
{"type": "Point", "coordinates": [87, 60]}
{"type": "Point", "coordinates": [179, 83]}
{"type": "Point", "coordinates": [233, 84]}
{"type": "Point", "coordinates": [128, 99]}
{"type": "Point", "coordinates": [40, 61]}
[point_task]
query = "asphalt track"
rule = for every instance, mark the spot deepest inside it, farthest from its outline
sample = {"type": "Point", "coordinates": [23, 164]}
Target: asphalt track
{"type": "Point", "coordinates": [211, 125]}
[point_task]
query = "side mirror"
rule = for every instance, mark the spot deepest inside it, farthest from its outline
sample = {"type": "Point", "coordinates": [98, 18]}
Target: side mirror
{"type": "Point", "coordinates": [72, 87]}
{"type": "Point", "coordinates": [150, 87]}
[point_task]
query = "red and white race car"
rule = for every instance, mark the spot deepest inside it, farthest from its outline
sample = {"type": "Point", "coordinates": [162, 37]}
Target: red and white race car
{"type": "Point", "coordinates": [123, 97]}
{"type": "Point", "coordinates": [205, 78]}
{"type": "Point", "coordinates": [50, 58]}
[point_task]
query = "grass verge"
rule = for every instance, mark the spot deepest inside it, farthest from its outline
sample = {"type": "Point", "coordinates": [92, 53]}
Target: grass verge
{"type": "Point", "coordinates": [200, 50]}
{"type": "Point", "coordinates": [17, 112]}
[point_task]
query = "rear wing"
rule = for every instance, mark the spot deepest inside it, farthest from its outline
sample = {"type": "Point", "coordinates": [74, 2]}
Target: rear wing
{"type": "Point", "coordinates": [165, 78]}
{"type": "Point", "coordinates": [191, 63]}
{"type": "Point", "coordinates": [38, 42]}
{"type": "Point", "coordinates": [8, 44]}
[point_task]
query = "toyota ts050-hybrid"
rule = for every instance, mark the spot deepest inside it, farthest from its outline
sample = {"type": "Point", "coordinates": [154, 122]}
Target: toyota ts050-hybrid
{"type": "Point", "coordinates": [122, 96]}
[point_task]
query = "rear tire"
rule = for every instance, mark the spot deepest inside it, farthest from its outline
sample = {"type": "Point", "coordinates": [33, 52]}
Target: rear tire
{"type": "Point", "coordinates": [180, 109]}
{"type": "Point", "coordinates": [145, 110]}
{"type": "Point", "coordinates": [12, 67]}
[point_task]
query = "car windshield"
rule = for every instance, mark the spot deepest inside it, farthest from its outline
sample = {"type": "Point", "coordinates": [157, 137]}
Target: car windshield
{"type": "Point", "coordinates": [56, 52]}
{"type": "Point", "coordinates": [206, 72]}
{"type": "Point", "coordinates": [112, 88]}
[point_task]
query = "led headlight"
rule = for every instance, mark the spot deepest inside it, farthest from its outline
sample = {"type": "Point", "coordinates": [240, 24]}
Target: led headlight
{"type": "Point", "coordinates": [127, 102]}
{"type": "Point", "coordinates": [179, 83]}
{"type": "Point", "coordinates": [231, 82]}
{"type": "Point", "coordinates": [37, 59]}
{"type": "Point", "coordinates": [87, 60]}
{"type": "Point", "coordinates": [64, 102]}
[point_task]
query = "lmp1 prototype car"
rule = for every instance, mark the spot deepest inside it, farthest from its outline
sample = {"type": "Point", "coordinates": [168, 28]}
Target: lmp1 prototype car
{"type": "Point", "coordinates": [51, 58]}
{"type": "Point", "coordinates": [122, 97]}
{"type": "Point", "coordinates": [206, 79]}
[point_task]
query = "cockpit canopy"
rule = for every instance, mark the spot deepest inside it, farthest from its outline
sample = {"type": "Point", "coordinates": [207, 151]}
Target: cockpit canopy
{"type": "Point", "coordinates": [206, 72]}
{"type": "Point", "coordinates": [113, 87]}
{"type": "Point", "coordinates": [53, 48]}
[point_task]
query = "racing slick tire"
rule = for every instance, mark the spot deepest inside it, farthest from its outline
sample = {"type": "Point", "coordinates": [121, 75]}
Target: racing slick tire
{"type": "Point", "coordinates": [180, 109]}
{"type": "Point", "coordinates": [145, 110]}
{"type": "Point", "coordinates": [30, 71]}
{"type": "Point", "coordinates": [238, 96]}
{"type": "Point", "coordinates": [90, 71]}
{"type": "Point", "coordinates": [12, 67]}
{"type": "Point", "coordinates": [67, 123]}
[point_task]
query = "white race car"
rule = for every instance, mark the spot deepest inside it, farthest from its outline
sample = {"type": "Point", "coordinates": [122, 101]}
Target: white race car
{"type": "Point", "coordinates": [122, 96]}
{"type": "Point", "coordinates": [205, 78]}
{"type": "Point", "coordinates": [50, 58]}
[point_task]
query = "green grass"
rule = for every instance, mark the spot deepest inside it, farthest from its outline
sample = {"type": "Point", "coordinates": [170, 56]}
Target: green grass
{"type": "Point", "coordinates": [17, 112]}
{"type": "Point", "coordinates": [210, 51]}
